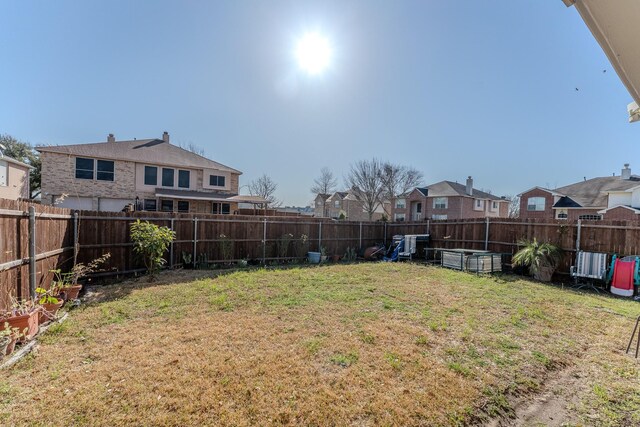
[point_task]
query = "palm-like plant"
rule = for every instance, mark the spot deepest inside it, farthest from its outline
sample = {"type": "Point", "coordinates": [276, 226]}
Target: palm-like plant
{"type": "Point", "coordinates": [537, 256]}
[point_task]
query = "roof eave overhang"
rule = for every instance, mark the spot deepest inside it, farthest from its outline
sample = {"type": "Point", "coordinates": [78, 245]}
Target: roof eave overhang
{"type": "Point", "coordinates": [619, 46]}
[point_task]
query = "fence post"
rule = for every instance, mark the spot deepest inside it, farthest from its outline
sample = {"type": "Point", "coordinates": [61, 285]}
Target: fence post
{"type": "Point", "coordinates": [486, 235]}
{"type": "Point", "coordinates": [360, 238]}
{"type": "Point", "coordinates": [195, 241]}
{"type": "Point", "coordinates": [32, 251]}
{"type": "Point", "coordinates": [171, 248]}
{"type": "Point", "coordinates": [578, 237]}
{"type": "Point", "coordinates": [320, 237]}
{"type": "Point", "coordinates": [385, 234]}
{"type": "Point", "coordinates": [264, 242]}
{"type": "Point", "coordinates": [428, 226]}
{"type": "Point", "coordinates": [76, 244]}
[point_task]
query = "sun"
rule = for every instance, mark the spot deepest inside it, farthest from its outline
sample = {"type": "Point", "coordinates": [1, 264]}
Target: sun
{"type": "Point", "coordinates": [313, 53]}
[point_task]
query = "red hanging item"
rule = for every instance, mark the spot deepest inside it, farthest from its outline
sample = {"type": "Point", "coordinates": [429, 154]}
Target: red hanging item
{"type": "Point", "coordinates": [622, 283]}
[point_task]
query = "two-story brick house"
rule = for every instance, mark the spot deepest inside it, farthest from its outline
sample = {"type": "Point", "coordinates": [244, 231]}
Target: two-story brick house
{"type": "Point", "coordinates": [320, 206]}
{"type": "Point", "coordinates": [149, 174]}
{"type": "Point", "coordinates": [14, 179]}
{"type": "Point", "coordinates": [608, 197]}
{"type": "Point", "coordinates": [448, 200]}
{"type": "Point", "coordinates": [349, 205]}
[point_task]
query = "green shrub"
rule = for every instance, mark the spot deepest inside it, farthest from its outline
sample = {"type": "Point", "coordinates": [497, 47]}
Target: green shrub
{"type": "Point", "coordinates": [150, 242]}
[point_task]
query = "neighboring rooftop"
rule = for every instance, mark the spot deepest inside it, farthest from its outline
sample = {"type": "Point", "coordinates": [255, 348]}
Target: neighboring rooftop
{"type": "Point", "coordinates": [593, 192]}
{"type": "Point", "coordinates": [449, 188]}
{"type": "Point", "coordinates": [153, 151]}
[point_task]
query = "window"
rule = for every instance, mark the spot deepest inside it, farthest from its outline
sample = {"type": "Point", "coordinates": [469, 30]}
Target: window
{"type": "Point", "coordinates": [336, 203]}
{"type": "Point", "coordinates": [183, 206]}
{"type": "Point", "coordinates": [166, 205]}
{"type": "Point", "coordinates": [419, 207]}
{"type": "Point", "coordinates": [4, 172]}
{"type": "Point", "coordinates": [183, 179]}
{"type": "Point", "coordinates": [400, 204]}
{"type": "Point", "coordinates": [150, 205]}
{"type": "Point", "coordinates": [438, 217]}
{"type": "Point", "coordinates": [399, 217]}
{"type": "Point", "coordinates": [440, 203]}
{"type": "Point", "coordinates": [216, 181]}
{"type": "Point", "coordinates": [535, 204]}
{"type": "Point", "coordinates": [590, 217]}
{"type": "Point", "coordinates": [494, 205]}
{"type": "Point", "coordinates": [479, 203]}
{"type": "Point", "coordinates": [222, 208]}
{"type": "Point", "coordinates": [105, 170]}
{"type": "Point", "coordinates": [562, 214]}
{"type": "Point", "coordinates": [84, 168]}
{"type": "Point", "coordinates": [150, 175]}
{"type": "Point", "coordinates": [167, 177]}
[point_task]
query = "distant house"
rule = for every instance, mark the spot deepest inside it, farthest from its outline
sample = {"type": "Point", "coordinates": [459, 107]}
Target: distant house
{"type": "Point", "coordinates": [608, 197]}
{"type": "Point", "coordinates": [349, 205]}
{"type": "Point", "coordinates": [14, 179]}
{"type": "Point", "coordinates": [149, 174]}
{"type": "Point", "coordinates": [448, 200]}
{"type": "Point", "coordinates": [320, 208]}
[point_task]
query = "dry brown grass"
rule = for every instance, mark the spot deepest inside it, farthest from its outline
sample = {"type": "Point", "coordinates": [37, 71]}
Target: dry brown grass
{"type": "Point", "coordinates": [368, 344]}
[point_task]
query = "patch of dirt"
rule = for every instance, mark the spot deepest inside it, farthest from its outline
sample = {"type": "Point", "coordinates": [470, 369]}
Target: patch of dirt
{"type": "Point", "coordinates": [552, 406]}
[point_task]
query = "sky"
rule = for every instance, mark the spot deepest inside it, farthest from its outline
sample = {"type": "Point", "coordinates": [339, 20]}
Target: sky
{"type": "Point", "coordinates": [481, 88]}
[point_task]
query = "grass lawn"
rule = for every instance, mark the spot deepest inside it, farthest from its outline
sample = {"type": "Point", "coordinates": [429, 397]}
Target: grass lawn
{"type": "Point", "coordinates": [365, 344]}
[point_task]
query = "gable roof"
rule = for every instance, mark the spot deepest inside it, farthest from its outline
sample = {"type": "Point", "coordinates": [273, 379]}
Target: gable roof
{"type": "Point", "coordinates": [450, 188]}
{"type": "Point", "coordinates": [593, 192]}
{"type": "Point", "coordinates": [150, 151]}
{"type": "Point", "coordinates": [566, 202]}
{"type": "Point", "coordinates": [15, 162]}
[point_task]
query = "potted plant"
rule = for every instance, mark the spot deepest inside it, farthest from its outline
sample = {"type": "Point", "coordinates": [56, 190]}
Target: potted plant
{"type": "Point", "coordinates": [50, 303]}
{"type": "Point", "coordinates": [541, 258]}
{"type": "Point", "coordinates": [323, 254]}
{"type": "Point", "coordinates": [67, 283]}
{"type": "Point", "coordinates": [23, 315]}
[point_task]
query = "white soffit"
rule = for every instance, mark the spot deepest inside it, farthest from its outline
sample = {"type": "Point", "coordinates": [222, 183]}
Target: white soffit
{"type": "Point", "coordinates": [616, 26]}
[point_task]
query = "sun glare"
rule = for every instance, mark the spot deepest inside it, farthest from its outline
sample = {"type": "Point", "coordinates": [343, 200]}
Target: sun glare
{"type": "Point", "coordinates": [313, 53]}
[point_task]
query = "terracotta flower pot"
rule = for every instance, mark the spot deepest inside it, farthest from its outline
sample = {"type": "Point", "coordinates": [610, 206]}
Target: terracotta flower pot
{"type": "Point", "coordinates": [49, 311]}
{"type": "Point", "coordinates": [26, 322]}
{"type": "Point", "coordinates": [72, 292]}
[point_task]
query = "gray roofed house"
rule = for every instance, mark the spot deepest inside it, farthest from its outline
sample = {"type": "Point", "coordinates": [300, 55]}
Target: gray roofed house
{"type": "Point", "coordinates": [145, 174]}
{"type": "Point", "coordinates": [447, 200]}
{"type": "Point", "coordinates": [589, 199]}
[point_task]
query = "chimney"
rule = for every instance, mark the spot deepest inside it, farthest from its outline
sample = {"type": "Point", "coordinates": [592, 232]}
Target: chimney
{"type": "Point", "coordinates": [626, 172]}
{"type": "Point", "coordinates": [165, 136]}
{"type": "Point", "coordinates": [470, 186]}
{"type": "Point", "coordinates": [111, 138]}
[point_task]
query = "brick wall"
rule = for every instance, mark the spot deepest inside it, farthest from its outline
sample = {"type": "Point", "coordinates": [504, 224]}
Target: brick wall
{"type": "Point", "coordinates": [548, 203]}
{"type": "Point", "coordinates": [58, 177]}
{"type": "Point", "coordinates": [620, 214]}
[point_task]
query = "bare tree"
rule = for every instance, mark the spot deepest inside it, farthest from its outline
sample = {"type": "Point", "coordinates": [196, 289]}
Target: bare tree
{"type": "Point", "coordinates": [514, 206]}
{"type": "Point", "coordinates": [265, 187]}
{"type": "Point", "coordinates": [193, 148]}
{"type": "Point", "coordinates": [326, 183]}
{"type": "Point", "coordinates": [399, 179]}
{"type": "Point", "coordinates": [365, 177]}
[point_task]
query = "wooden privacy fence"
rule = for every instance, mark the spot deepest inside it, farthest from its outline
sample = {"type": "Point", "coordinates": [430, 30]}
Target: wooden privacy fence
{"type": "Point", "coordinates": [36, 239]}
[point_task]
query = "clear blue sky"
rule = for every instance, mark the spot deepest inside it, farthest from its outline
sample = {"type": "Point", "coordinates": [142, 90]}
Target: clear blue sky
{"type": "Point", "coordinates": [483, 88]}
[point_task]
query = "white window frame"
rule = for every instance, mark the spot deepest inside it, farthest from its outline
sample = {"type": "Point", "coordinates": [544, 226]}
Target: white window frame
{"type": "Point", "coordinates": [440, 203]}
{"type": "Point", "coordinates": [534, 206]}
{"type": "Point", "coordinates": [478, 205]}
{"type": "Point", "coordinates": [590, 217]}
{"type": "Point", "coordinates": [562, 214]}
{"type": "Point", "coordinates": [336, 203]}
{"type": "Point", "coordinates": [436, 217]}
{"type": "Point", "coordinates": [401, 204]}
{"type": "Point", "coordinates": [400, 217]}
